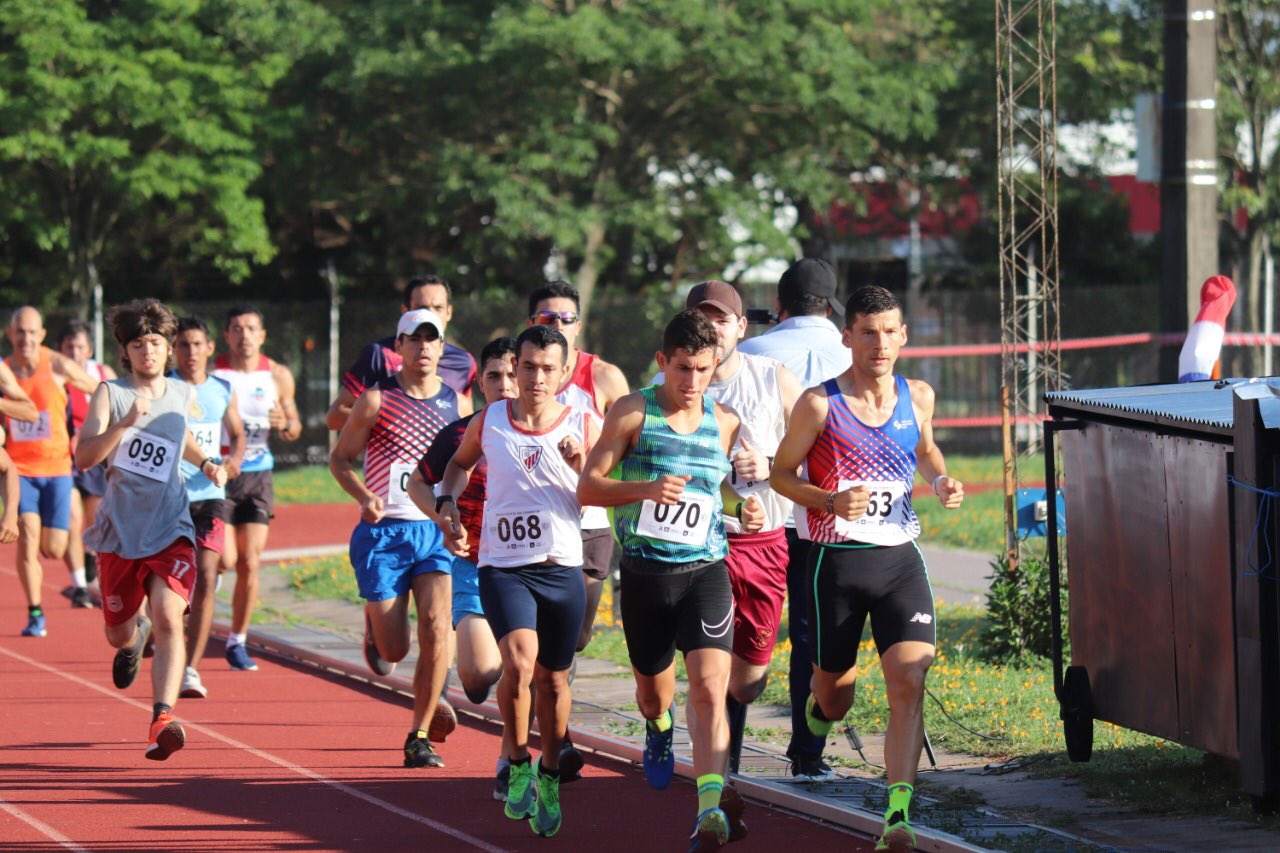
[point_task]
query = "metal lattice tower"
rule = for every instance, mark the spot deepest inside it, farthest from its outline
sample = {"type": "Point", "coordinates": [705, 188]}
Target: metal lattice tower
{"type": "Point", "coordinates": [1026, 106]}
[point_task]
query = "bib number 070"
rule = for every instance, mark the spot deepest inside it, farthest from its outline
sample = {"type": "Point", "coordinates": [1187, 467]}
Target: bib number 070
{"type": "Point", "coordinates": [671, 514]}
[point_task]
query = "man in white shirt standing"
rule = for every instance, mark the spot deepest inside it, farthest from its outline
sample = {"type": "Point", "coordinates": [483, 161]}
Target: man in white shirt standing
{"type": "Point", "coordinates": [809, 344]}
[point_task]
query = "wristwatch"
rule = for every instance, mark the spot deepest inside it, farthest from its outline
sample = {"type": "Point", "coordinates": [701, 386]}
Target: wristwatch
{"type": "Point", "coordinates": [440, 501]}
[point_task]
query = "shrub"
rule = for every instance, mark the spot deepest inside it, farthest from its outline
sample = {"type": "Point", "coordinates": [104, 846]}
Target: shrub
{"type": "Point", "coordinates": [1019, 621]}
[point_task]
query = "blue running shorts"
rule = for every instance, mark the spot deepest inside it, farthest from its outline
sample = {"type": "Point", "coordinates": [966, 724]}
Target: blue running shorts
{"type": "Point", "coordinates": [387, 556]}
{"type": "Point", "coordinates": [466, 590]}
{"type": "Point", "coordinates": [50, 497]}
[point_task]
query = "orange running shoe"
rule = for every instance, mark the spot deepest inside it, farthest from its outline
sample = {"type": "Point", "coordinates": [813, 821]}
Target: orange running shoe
{"type": "Point", "coordinates": [443, 722]}
{"type": "Point", "coordinates": [167, 737]}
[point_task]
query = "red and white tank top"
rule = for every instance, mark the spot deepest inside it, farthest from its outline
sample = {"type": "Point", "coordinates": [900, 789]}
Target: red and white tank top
{"type": "Point", "coordinates": [531, 509]}
{"type": "Point", "coordinates": [400, 437]}
{"type": "Point", "coordinates": [78, 401]}
{"type": "Point", "coordinates": [580, 392]}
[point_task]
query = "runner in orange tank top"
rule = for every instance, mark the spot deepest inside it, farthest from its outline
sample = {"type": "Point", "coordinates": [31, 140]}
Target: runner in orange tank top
{"type": "Point", "coordinates": [41, 451]}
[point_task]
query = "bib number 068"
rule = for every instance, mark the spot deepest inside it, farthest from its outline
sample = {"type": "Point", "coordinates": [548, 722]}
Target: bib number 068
{"type": "Point", "coordinates": [518, 528]}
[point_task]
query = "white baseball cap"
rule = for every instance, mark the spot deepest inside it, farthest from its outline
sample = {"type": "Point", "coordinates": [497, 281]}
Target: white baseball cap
{"type": "Point", "coordinates": [411, 320]}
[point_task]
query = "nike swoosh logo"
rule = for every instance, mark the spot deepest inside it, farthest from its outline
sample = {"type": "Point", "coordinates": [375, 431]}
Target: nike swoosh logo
{"type": "Point", "coordinates": [722, 627]}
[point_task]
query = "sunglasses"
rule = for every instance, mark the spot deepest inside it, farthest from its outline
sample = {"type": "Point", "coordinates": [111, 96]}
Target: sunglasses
{"type": "Point", "coordinates": [546, 318]}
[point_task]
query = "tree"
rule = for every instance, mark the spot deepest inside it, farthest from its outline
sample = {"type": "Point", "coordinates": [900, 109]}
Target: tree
{"type": "Point", "coordinates": [133, 123]}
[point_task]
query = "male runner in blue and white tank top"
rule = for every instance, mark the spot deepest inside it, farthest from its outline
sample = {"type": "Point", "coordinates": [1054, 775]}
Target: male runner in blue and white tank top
{"type": "Point", "coordinates": [216, 413]}
{"type": "Point", "coordinates": [143, 532]}
{"type": "Point", "coordinates": [531, 586]}
{"type": "Point", "coordinates": [396, 549]}
{"type": "Point", "coordinates": [661, 464]}
{"type": "Point", "coordinates": [864, 435]}
{"type": "Point", "coordinates": [264, 392]}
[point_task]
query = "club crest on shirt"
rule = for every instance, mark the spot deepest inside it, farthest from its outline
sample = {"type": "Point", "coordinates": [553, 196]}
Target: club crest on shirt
{"type": "Point", "coordinates": [530, 455]}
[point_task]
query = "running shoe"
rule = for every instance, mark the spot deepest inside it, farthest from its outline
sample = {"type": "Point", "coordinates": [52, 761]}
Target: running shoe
{"type": "Point", "coordinates": [710, 832]}
{"type": "Point", "coordinates": [501, 781]}
{"type": "Point", "coordinates": [807, 768]}
{"type": "Point", "coordinates": [35, 626]}
{"type": "Point", "coordinates": [80, 598]}
{"type": "Point", "coordinates": [238, 658]}
{"type": "Point", "coordinates": [443, 721]}
{"type": "Point", "coordinates": [418, 752]}
{"type": "Point", "coordinates": [659, 758]}
{"type": "Point", "coordinates": [821, 728]}
{"type": "Point", "coordinates": [546, 814]}
{"type": "Point", "coordinates": [371, 656]}
{"type": "Point", "coordinates": [571, 762]}
{"type": "Point", "coordinates": [897, 836]}
{"type": "Point", "coordinates": [167, 737]}
{"type": "Point", "coordinates": [124, 669]}
{"type": "Point", "coordinates": [734, 807]}
{"type": "Point", "coordinates": [522, 793]}
{"type": "Point", "coordinates": [192, 687]}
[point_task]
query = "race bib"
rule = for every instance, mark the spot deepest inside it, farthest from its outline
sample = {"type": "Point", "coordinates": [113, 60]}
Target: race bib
{"type": "Point", "coordinates": [146, 454]}
{"type": "Point", "coordinates": [256, 431]}
{"type": "Point", "coordinates": [746, 488]}
{"type": "Point", "coordinates": [688, 520]}
{"type": "Point", "coordinates": [517, 532]}
{"type": "Point", "coordinates": [206, 436]}
{"type": "Point", "coordinates": [398, 484]}
{"type": "Point", "coordinates": [886, 506]}
{"type": "Point", "coordinates": [27, 431]}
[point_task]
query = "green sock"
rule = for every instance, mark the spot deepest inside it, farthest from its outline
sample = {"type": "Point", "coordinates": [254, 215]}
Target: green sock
{"type": "Point", "coordinates": [818, 724]}
{"type": "Point", "coordinates": [661, 724]}
{"type": "Point", "coordinates": [899, 800]}
{"type": "Point", "coordinates": [709, 789]}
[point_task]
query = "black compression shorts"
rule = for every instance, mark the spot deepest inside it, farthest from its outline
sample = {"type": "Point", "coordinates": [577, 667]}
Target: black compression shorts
{"type": "Point", "coordinates": [665, 608]}
{"type": "Point", "coordinates": [848, 583]}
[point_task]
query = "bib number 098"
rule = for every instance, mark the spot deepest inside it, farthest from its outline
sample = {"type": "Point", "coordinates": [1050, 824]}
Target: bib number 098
{"type": "Point", "coordinates": [146, 452]}
{"type": "Point", "coordinates": [518, 528]}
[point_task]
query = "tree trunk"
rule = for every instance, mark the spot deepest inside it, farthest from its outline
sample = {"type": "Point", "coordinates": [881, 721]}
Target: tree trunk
{"type": "Point", "coordinates": [588, 272]}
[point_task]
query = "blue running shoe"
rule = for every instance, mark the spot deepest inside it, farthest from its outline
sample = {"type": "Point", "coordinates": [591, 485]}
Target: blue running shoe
{"type": "Point", "coordinates": [545, 820]}
{"type": "Point", "coordinates": [238, 657]}
{"type": "Point", "coordinates": [35, 626]}
{"type": "Point", "coordinates": [659, 758]}
{"type": "Point", "coordinates": [710, 832]}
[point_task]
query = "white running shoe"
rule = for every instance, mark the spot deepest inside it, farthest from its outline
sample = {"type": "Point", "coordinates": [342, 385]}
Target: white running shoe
{"type": "Point", "coordinates": [192, 687]}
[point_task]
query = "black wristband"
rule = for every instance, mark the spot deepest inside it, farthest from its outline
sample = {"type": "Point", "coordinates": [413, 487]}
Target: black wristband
{"type": "Point", "coordinates": [206, 461]}
{"type": "Point", "coordinates": [440, 501]}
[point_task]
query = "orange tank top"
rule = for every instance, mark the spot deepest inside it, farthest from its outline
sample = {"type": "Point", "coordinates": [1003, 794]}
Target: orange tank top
{"type": "Point", "coordinates": [43, 448]}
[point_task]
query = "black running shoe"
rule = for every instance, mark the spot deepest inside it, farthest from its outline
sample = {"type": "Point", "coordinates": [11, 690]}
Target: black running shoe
{"type": "Point", "coordinates": [500, 783]}
{"type": "Point", "coordinates": [805, 768]}
{"type": "Point", "coordinates": [418, 752]}
{"type": "Point", "coordinates": [571, 762]}
{"type": "Point", "coordinates": [80, 598]}
{"type": "Point", "coordinates": [124, 669]}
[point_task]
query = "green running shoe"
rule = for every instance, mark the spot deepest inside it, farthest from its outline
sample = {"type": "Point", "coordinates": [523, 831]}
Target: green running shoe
{"type": "Point", "coordinates": [522, 796]}
{"type": "Point", "coordinates": [711, 832]}
{"type": "Point", "coordinates": [897, 836]}
{"type": "Point", "coordinates": [546, 815]}
{"type": "Point", "coordinates": [821, 728]}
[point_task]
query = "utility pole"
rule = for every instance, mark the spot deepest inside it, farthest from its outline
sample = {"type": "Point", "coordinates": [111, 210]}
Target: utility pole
{"type": "Point", "coordinates": [1189, 180]}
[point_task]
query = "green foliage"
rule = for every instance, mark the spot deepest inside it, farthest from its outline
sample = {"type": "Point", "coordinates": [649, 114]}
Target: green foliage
{"type": "Point", "coordinates": [1019, 624]}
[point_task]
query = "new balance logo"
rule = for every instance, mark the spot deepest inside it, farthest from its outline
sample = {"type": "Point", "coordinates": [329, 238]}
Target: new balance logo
{"type": "Point", "coordinates": [443, 404]}
{"type": "Point", "coordinates": [922, 618]}
{"type": "Point", "coordinates": [903, 424]}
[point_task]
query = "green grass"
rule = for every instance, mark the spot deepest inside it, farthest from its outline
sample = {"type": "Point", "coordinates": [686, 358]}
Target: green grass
{"type": "Point", "coordinates": [309, 484]}
{"type": "Point", "coordinates": [327, 578]}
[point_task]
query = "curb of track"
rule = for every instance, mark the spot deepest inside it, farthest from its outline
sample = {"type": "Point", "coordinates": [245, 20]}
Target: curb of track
{"type": "Point", "coordinates": [858, 820]}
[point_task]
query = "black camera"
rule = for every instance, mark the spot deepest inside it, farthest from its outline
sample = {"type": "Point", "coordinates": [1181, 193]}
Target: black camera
{"type": "Point", "coordinates": [761, 317]}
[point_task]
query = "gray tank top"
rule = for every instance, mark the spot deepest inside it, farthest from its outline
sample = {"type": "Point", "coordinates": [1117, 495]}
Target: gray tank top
{"type": "Point", "coordinates": [145, 507]}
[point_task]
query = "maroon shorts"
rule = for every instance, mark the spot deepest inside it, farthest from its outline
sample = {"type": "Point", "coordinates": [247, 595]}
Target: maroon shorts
{"type": "Point", "coordinates": [211, 530]}
{"type": "Point", "coordinates": [757, 564]}
{"type": "Point", "coordinates": [124, 581]}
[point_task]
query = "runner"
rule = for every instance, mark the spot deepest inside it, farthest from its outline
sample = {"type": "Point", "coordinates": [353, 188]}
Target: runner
{"type": "Point", "coordinates": [668, 445]}
{"type": "Point", "coordinates": [41, 451]}
{"type": "Point", "coordinates": [216, 413]}
{"type": "Point", "coordinates": [143, 532]}
{"type": "Point", "coordinates": [531, 586]}
{"type": "Point", "coordinates": [395, 548]}
{"type": "Point", "coordinates": [379, 359]}
{"type": "Point", "coordinates": [264, 393]}
{"type": "Point", "coordinates": [75, 344]}
{"type": "Point", "coordinates": [762, 393]}
{"type": "Point", "coordinates": [809, 344]}
{"type": "Point", "coordinates": [593, 385]}
{"type": "Point", "coordinates": [479, 659]}
{"type": "Point", "coordinates": [12, 497]}
{"type": "Point", "coordinates": [863, 435]}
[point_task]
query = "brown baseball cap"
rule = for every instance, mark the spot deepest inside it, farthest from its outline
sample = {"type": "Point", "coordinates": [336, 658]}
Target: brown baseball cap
{"type": "Point", "coordinates": [718, 294]}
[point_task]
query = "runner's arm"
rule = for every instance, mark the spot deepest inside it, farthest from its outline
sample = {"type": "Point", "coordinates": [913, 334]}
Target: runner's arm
{"type": "Point", "coordinates": [805, 425]}
{"type": "Point", "coordinates": [339, 410]}
{"type": "Point", "coordinates": [99, 435]}
{"type": "Point", "coordinates": [458, 472]}
{"type": "Point", "coordinates": [285, 390]}
{"type": "Point", "coordinates": [611, 384]}
{"type": "Point", "coordinates": [932, 466]}
{"type": "Point", "coordinates": [617, 436]}
{"type": "Point", "coordinates": [351, 443]}
{"type": "Point", "coordinates": [234, 426]}
{"type": "Point", "coordinates": [16, 404]}
{"type": "Point", "coordinates": [76, 375]}
{"type": "Point", "coordinates": [465, 406]}
{"type": "Point", "coordinates": [12, 495]}
{"type": "Point", "coordinates": [192, 452]}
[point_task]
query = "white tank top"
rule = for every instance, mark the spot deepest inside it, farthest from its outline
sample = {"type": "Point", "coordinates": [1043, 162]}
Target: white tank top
{"type": "Point", "coordinates": [256, 395]}
{"type": "Point", "coordinates": [755, 395]}
{"type": "Point", "coordinates": [531, 509]}
{"type": "Point", "coordinates": [578, 395]}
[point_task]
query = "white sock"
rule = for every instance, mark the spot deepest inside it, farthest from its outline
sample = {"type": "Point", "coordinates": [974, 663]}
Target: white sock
{"type": "Point", "coordinates": [237, 639]}
{"type": "Point", "coordinates": [78, 578]}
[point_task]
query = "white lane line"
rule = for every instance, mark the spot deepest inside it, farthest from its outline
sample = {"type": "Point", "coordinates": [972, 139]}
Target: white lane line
{"type": "Point", "coordinates": [42, 827]}
{"type": "Point", "coordinates": [266, 756]}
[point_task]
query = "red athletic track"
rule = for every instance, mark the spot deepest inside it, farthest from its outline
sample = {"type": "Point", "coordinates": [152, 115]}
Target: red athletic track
{"type": "Point", "coordinates": [281, 759]}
